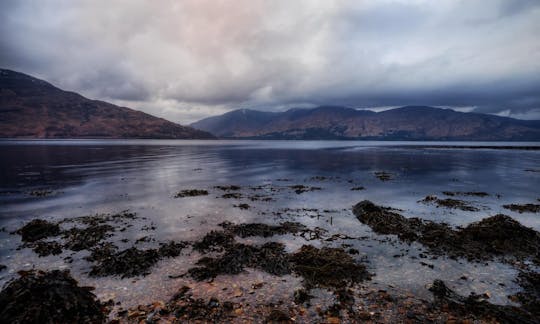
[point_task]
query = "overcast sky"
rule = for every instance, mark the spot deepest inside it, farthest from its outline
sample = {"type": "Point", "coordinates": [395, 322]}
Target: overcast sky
{"type": "Point", "coordinates": [185, 60]}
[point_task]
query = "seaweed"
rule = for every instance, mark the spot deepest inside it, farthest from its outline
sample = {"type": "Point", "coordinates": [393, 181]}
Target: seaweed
{"type": "Point", "coordinates": [498, 235]}
{"type": "Point", "coordinates": [474, 305]}
{"type": "Point", "coordinates": [524, 208]}
{"type": "Point", "coordinates": [327, 267]}
{"type": "Point", "coordinates": [383, 175]}
{"type": "Point", "coordinates": [130, 262]}
{"type": "Point", "coordinates": [270, 257]}
{"type": "Point", "coordinates": [48, 297]}
{"type": "Point", "coordinates": [264, 230]}
{"type": "Point", "coordinates": [78, 239]}
{"type": "Point", "coordinates": [38, 229]}
{"type": "Point", "coordinates": [449, 203]}
{"type": "Point", "coordinates": [299, 189]}
{"type": "Point", "coordinates": [191, 193]}
{"type": "Point", "coordinates": [228, 188]}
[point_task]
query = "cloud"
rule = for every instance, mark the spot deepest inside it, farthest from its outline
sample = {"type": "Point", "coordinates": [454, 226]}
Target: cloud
{"type": "Point", "coordinates": [188, 59]}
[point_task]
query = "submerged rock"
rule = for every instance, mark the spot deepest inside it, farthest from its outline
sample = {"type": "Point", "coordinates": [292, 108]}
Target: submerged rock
{"type": "Point", "coordinates": [48, 297]}
{"type": "Point", "coordinates": [498, 235]}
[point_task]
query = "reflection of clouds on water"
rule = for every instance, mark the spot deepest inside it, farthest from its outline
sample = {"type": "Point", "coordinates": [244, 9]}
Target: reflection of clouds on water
{"type": "Point", "coordinates": [97, 177]}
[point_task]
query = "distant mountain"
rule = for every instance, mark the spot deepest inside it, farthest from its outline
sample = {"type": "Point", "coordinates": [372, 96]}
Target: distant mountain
{"type": "Point", "coordinates": [405, 123]}
{"type": "Point", "coordinates": [33, 108]}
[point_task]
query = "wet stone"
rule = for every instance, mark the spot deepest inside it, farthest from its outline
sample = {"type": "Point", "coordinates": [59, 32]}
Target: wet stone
{"type": "Point", "coordinates": [43, 249]}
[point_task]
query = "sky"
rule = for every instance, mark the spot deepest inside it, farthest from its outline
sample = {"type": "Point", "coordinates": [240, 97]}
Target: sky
{"type": "Point", "coordinates": [189, 59]}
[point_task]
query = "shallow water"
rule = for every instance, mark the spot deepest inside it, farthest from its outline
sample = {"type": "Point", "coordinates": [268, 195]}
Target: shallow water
{"type": "Point", "coordinates": [90, 176]}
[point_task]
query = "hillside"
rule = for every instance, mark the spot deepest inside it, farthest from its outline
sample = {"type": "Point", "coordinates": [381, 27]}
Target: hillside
{"type": "Point", "coordinates": [33, 108]}
{"type": "Point", "coordinates": [405, 123]}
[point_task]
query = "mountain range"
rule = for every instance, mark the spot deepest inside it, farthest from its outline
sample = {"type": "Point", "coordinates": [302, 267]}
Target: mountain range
{"type": "Point", "coordinates": [335, 122]}
{"type": "Point", "coordinates": [33, 108]}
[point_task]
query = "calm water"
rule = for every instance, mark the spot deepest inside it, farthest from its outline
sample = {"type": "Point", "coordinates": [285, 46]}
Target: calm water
{"type": "Point", "coordinates": [88, 177]}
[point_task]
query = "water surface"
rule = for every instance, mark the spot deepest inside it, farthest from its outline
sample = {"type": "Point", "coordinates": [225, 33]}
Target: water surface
{"type": "Point", "coordinates": [92, 176]}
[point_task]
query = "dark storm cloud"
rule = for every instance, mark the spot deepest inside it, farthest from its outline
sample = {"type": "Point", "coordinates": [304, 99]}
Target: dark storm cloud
{"type": "Point", "coordinates": [188, 59]}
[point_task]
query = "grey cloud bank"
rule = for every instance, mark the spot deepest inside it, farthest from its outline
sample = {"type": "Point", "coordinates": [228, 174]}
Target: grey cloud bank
{"type": "Point", "coordinates": [185, 60]}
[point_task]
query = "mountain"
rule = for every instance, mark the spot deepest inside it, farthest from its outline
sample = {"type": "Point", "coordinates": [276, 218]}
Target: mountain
{"type": "Point", "coordinates": [405, 123]}
{"type": "Point", "coordinates": [33, 108]}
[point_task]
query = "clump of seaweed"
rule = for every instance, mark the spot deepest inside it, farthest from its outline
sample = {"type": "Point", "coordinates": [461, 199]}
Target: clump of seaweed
{"type": "Point", "coordinates": [270, 257]}
{"type": "Point", "coordinates": [191, 193]}
{"type": "Point", "coordinates": [327, 267]}
{"type": "Point", "coordinates": [232, 195]}
{"type": "Point", "coordinates": [498, 235]}
{"type": "Point", "coordinates": [130, 262]}
{"type": "Point", "coordinates": [383, 175]}
{"type": "Point", "coordinates": [477, 308]}
{"type": "Point", "coordinates": [228, 188]}
{"type": "Point", "coordinates": [449, 203]}
{"type": "Point", "coordinates": [243, 206]}
{"type": "Point", "coordinates": [299, 189]}
{"type": "Point", "coordinates": [48, 297]}
{"type": "Point", "coordinates": [214, 241]}
{"type": "Point", "coordinates": [38, 229]}
{"type": "Point", "coordinates": [78, 239]}
{"type": "Point", "coordinates": [524, 208]}
{"type": "Point", "coordinates": [529, 297]}
{"type": "Point", "coordinates": [466, 193]}
{"type": "Point", "coordinates": [263, 230]}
